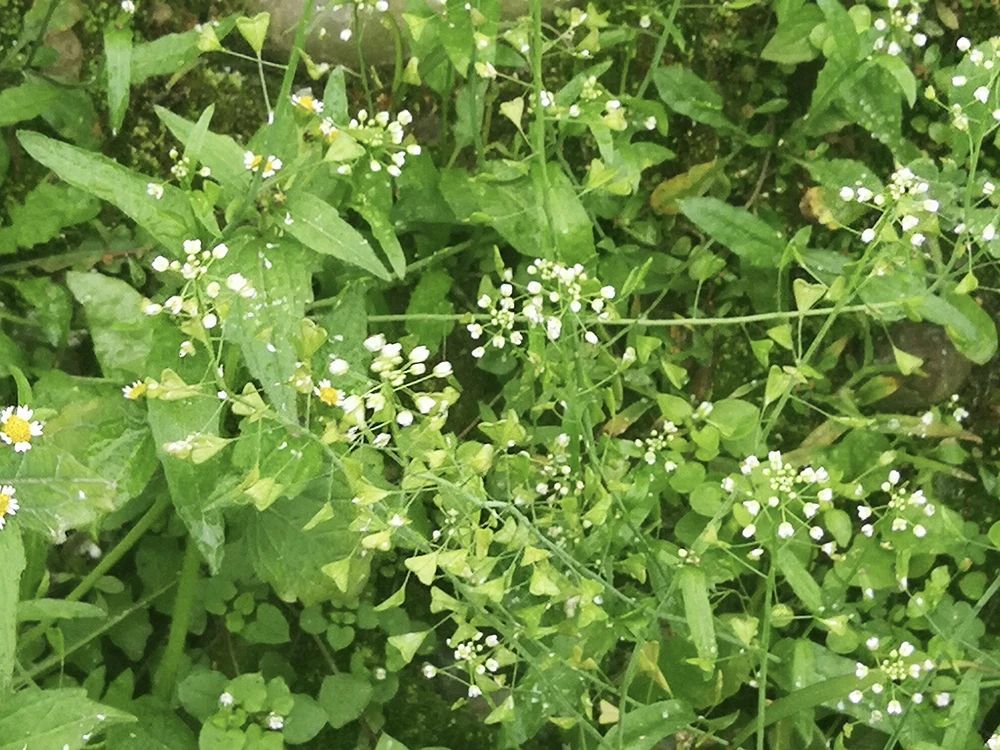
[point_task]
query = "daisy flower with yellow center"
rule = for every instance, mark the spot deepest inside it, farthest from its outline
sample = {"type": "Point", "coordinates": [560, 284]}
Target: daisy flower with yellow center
{"type": "Point", "coordinates": [252, 161]}
{"type": "Point", "coordinates": [305, 100]}
{"type": "Point", "coordinates": [8, 504]}
{"type": "Point", "coordinates": [17, 427]}
{"type": "Point", "coordinates": [134, 391]}
{"type": "Point", "coordinates": [327, 393]}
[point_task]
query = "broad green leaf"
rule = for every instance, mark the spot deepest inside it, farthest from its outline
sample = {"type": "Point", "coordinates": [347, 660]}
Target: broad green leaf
{"type": "Point", "coordinates": [335, 96]}
{"type": "Point", "coordinates": [220, 153]}
{"type": "Point", "coordinates": [694, 182]}
{"type": "Point", "coordinates": [266, 326]}
{"type": "Point", "coordinates": [12, 554]}
{"type": "Point", "coordinates": [798, 577]}
{"type": "Point", "coordinates": [841, 28]}
{"type": "Point", "coordinates": [746, 235]}
{"type": "Point", "coordinates": [128, 343]}
{"type": "Point", "coordinates": [790, 44]}
{"type": "Point", "coordinates": [268, 626]}
{"type": "Point", "coordinates": [164, 55]}
{"type": "Point", "coordinates": [686, 93]}
{"type": "Point", "coordinates": [318, 226]}
{"type": "Point", "coordinates": [43, 719]}
{"type": "Point", "coordinates": [904, 76]}
{"type": "Point", "coordinates": [431, 295]}
{"type": "Point", "coordinates": [169, 219]}
{"type": "Point", "coordinates": [969, 327]}
{"type": "Point", "coordinates": [344, 697]}
{"type": "Point", "coordinates": [962, 718]}
{"type": "Point", "coordinates": [698, 612]}
{"type": "Point", "coordinates": [305, 721]}
{"type": "Point", "coordinates": [118, 62]}
{"type": "Point", "coordinates": [26, 102]}
{"type": "Point", "coordinates": [645, 727]}
{"type": "Point", "coordinates": [292, 560]}
{"type": "Point", "coordinates": [157, 728]}
{"type": "Point", "coordinates": [191, 486]}
{"type": "Point", "coordinates": [46, 211]}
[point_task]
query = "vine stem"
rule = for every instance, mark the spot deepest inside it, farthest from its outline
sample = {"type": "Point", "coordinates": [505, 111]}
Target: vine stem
{"type": "Point", "coordinates": [166, 674]}
{"type": "Point", "coordinates": [648, 322]}
{"type": "Point", "coordinates": [109, 560]}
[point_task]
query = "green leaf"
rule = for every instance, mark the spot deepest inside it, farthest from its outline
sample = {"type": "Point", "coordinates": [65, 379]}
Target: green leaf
{"type": "Point", "coordinates": [220, 153]}
{"type": "Point", "coordinates": [118, 62]}
{"type": "Point", "coordinates": [962, 721]}
{"type": "Point", "coordinates": [254, 30]}
{"type": "Point", "coordinates": [907, 363]}
{"type": "Point", "coordinates": [431, 295]}
{"type": "Point", "coordinates": [122, 334]}
{"type": "Point", "coordinates": [293, 560]}
{"type": "Point", "coordinates": [752, 239]}
{"type": "Point", "coordinates": [904, 76]}
{"type": "Point", "coordinates": [191, 486]}
{"type": "Point", "coordinates": [12, 554]}
{"type": "Point", "coordinates": [158, 728]}
{"type": "Point", "coordinates": [344, 697]}
{"type": "Point", "coordinates": [169, 220]}
{"type": "Point", "coordinates": [841, 27]}
{"type": "Point", "coordinates": [798, 577]}
{"type": "Point", "coordinates": [687, 94]}
{"type": "Point", "coordinates": [47, 210]}
{"type": "Point", "coordinates": [57, 609]}
{"type": "Point", "coordinates": [645, 727]}
{"type": "Point", "coordinates": [408, 643]}
{"type": "Point", "coordinates": [25, 102]}
{"type": "Point", "coordinates": [698, 612]}
{"type": "Point", "coordinates": [790, 44]}
{"type": "Point", "coordinates": [164, 55]}
{"type": "Point", "coordinates": [335, 96]}
{"type": "Point", "coordinates": [45, 719]}
{"type": "Point", "coordinates": [265, 326]}
{"type": "Point", "coordinates": [969, 327]}
{"type": "Point", "coordinates": [318, 226]}
{"type": "Point", "coordinates": [306, 720]}
{"type": "Point", "coordinates": [268, 626]}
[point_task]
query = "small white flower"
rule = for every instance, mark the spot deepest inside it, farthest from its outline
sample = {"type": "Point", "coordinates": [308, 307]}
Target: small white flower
{"type": "Point", "coordinates": [128, 6]}
{"type": "Point", "coordinates": [894, 708]}
{"type": "Point", "coordinates": [404, 418]}
{"type": "Point", "coordinates": [425, 404]}
{"type": "Point", "coordinates": [785, 530]}
{"type": "Point", "coordinates": [908, 222]}
{"type": "Point", "coordinates": [959, 81]}
{"type": "Point", "coordinates": [338, 366]}
{"type": "Point", "coordinates": [855, 696]}
{"type": "Point", "coordinates": [728, 484]}
{"type": "Point", "coordinates": [220, 251]}
{"type": "Point", "coordinates": [375, 343]}
{"type": "Point", "coordinates": [608, 292]}
{"type": "Point", "coordinates": [442, 370]}
{"type": "Point", "coordinates": [192, 247]}
{"type": "Point", "coordinates": [154, 190]}
{"type": "Point", "coordinates": [942, 699]}
{"type": "Point", "coordinates": [860, 670]}
{"type": "Point", "coordinates": [748, 531]}
{"type": "Point", "coordinates": [474, 691]}
{"type": "Point", "coordinates": [209, 321]}
{"type": "Point", "coordinates": [931, 205]}
{"type": "Point", "coordinates": [17, 427]}
{"type": "Point", "coordinates": [419, 354]}
{"type": "Point", "coordinates": [989, 232]}
{"type": "Point", "coordinates": [868, 235]}
{"type": "Point", "coordinates": [919, 39]}
{"type": "Point", "coordinates": [846, 194]}
{"type": "Point", "coordinates": [963, 44]}
{"type": "Point", "coordinates": [186, 349]}
{"type": "Point", "coordinates": [275, 722]}
{"type": "Point", "coordinates": [160, 264]}
{"type": "Point", "coordinates": [919, 531]}
{"type": "Point", "coordinates": [982, 94]}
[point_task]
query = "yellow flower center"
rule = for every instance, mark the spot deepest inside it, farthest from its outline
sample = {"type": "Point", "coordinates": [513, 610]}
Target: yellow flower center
{"type": "Point", "coordinates": [4, 504]}
{"type": "Point", "coordinates": [137, 391]}
{"type": "Point", "coordinates": [256, 162]}
{"type": "Point", "coordinates": [306, 102]}
{"type": "Point", "coordinates": [329, 396]}
{"type": "Point", "coordinates": [17, 429]}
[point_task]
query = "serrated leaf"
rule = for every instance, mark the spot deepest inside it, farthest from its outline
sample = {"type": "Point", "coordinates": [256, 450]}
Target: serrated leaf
{"type": "Point", "coordinates": [169, 219]}
{"type": "Point", "coordinates": [40, 719]}
{"type": "Point", "coordinates": [751, 238]}
{"type": "Point", "coordinates": [318, 226]}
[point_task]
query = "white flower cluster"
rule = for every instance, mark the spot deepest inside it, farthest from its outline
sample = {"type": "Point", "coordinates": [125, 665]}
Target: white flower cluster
{"type": "Point", "coordinates": [899, 664]}
{"type": "Point", "coordinates": [973, 75]}
{"type": "Point", "coordinates": [656, 442]}
{"type": "Point", "coordinates": [552, 291]}
{"type": "Point", "coordinates": [898, 28]}
{"type": "Point", "coordinates": [384, 139]}
{"type": "Point", "coordinates": [479, 656]}
{"type": "Point", "coordinates": [781, 499]}
{"type": "Point", "coordinates": [555, 480]}
{"type": "Point", "coordinates": [905, 510]}
{"type": "Point", "coordinates": [370, 407]}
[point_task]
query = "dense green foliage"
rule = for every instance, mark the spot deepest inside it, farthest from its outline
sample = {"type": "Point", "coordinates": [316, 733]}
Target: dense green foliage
{"type": "Point", "coordinates": [621, 376]}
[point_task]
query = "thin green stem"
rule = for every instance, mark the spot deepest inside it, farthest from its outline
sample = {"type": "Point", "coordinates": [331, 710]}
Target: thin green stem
{"type": "Point", "coordinates": [109, 560]}
{"type": "Point", "coordinates": [764, 648]}
{"type": "Point", "coordinates": [166, 675]}
{"type": "Point", "coordinates": [542, 179]}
